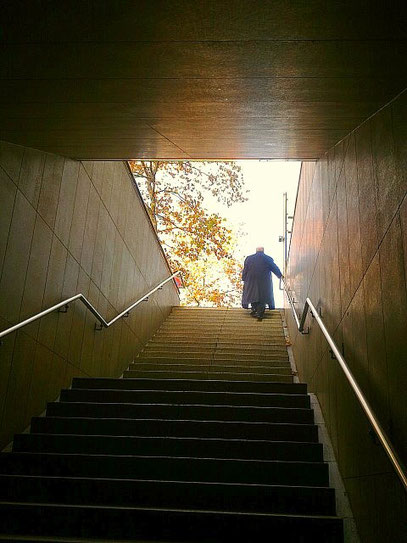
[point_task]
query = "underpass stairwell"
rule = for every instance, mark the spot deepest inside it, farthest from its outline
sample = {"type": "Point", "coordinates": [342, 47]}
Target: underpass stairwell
{"type": "Point", "coordinates": [206, 438]}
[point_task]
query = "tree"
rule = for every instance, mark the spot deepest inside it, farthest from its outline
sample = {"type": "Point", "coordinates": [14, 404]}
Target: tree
{"type": "Point", "coordinates": [195, 240]}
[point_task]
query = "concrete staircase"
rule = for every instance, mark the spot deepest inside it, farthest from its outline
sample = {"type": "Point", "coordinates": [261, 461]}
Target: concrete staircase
{"type": "Point", "coordinates": [207, 438]}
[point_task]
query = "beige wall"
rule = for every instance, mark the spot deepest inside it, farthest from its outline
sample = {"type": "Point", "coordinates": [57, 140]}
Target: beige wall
{"type": "Point", "coordinates": [349, 255]}
{"type": "Point", "coordinates": [69, 227]}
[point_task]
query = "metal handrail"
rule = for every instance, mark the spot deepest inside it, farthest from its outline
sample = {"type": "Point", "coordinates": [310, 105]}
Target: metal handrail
{"type": "Point", "coordinates": [381, 434]}
{"type": "Point", "coordinates": [85, 301]}
{"type": "Point", "coordinates": [291, 301]}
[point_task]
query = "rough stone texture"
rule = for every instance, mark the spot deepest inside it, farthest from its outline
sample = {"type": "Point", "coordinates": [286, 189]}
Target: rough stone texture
{"type": "Point", "coordinates": [70, 227]}
{"type": "Point", "coordinates": [362, 294]}
{"type": "Point", "coordinates": [207, 79]}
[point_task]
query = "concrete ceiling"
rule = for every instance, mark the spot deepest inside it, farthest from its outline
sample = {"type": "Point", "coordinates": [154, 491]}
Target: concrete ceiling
{"type": "Point", "coordinates": [196, 79]}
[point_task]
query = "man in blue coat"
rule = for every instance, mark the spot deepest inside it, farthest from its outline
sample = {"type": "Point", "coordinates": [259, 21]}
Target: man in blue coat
{"type": "Point", "coordinates": [258, 287]}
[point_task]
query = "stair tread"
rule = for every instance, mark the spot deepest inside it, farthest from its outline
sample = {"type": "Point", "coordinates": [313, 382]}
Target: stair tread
{"type": "Point", "coordinates": [212, 406]}
{"type": "Point", "coordinates": [208, 375]}
{"type": "Point", "coordinates": [167, 481]}
{"type": "Point", "coordinates": [17, 538]}
{"type": "Point", "coordinates": [211, 361]}
{"type": "Point", "coordinates": [173, 493]}
{"type": "Point", "coordinates": [158, 466]}
{"type": "Point", "coordinates": [220, 421]}
{"type": "Point", "coordinates": [180, 421]}
{"type": "Point", "coordinates": [163, 456]}
{"type": "Point", "coordinates": [105, 396]}
{"type": "Point", "coordinates": [174, 446]}
{"type": "Point", "coordinates": [169, 438]}
{"type": "Point", "coordinates": [178, 370]}
{"type": "Point", "coordinates": [247, 461]}
{"type": "Point", "coordinates": [210, 364]}
{"type": "Point", "coordinates": [209, 370]}
{"type": "Point", "coordinates": [101, 425]}
{"type": "Point", "coordinates": [289, 388]}
{"type": "Point", "coordinates": [178, 412]}
{"type": "Point", "coordinates": [169, 509]}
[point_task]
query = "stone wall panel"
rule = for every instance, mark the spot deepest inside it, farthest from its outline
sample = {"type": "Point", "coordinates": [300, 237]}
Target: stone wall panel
{"type": "Point", "coordinates": [367, 195]}
{"type": "Point", "coordinates": [355, 273]}
{"type": "Point", "coordinates": [68, 227]}
{"type": "Point", "coordinates": [395, 324]}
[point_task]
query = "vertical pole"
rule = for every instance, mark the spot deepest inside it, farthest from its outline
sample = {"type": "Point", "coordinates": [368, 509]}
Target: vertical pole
{"type": "Point", "coordinates": [285, 199]}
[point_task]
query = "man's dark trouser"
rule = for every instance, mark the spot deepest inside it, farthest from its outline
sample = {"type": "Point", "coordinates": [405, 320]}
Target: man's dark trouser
{"type": "Point", "coordinates": [259, 308]}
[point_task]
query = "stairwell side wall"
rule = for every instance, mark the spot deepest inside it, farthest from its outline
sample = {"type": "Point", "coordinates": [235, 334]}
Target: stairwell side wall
{"type": "Point", "coordinates": [67, 227]}
{"type": "Point", "coordinates": [349, 255]}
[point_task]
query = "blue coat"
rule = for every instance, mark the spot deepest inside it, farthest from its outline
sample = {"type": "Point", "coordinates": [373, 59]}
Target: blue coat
{"type": "Point", "coordinates": [256, 275]}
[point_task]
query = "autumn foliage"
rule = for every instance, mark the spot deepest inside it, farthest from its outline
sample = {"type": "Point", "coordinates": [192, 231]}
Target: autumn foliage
{"type": "Point", "coordinates": [196, 241]}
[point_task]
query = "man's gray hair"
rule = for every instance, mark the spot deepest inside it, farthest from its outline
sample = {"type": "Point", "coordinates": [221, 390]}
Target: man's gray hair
{"type": "Point", "coordinates": [259, 249]}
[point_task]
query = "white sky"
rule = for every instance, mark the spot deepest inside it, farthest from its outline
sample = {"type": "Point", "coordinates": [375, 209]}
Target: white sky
{"type": "Point", "coordinates": [261, 217]}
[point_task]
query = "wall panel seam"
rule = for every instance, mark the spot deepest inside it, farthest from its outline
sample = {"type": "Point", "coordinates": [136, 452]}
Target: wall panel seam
{"type": "Point", "coordinates": [9, 227]}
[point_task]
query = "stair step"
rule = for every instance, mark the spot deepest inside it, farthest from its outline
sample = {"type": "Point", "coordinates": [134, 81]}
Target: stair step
{"type": "Point", "coordinates": [224, 337]}
{"type": "Point", "coordinates": [223, 332]}
{"type": "Point", "coordinates": [267, 323]}
{"type": "Point", "coordinates": [216, 342]}
{"type": "Point", "coordinates": [243, 370]}
{"type": "Point", "coordinates": [169, 446]}
{"type": "Point", "coordinates": [176, 354]}
{"type": "Point", "coordinates": [190, 385]}
{"type": "Point", "coordinates": [93, 420]}
{"type": "Point", "coordinates": [247, 348]}
{"type": "Point", "coordinates": [224, 310]}
{"type": "Point", "coordinates": [211, 316]}
{"type": "Point", "coordinates": [181, 412]}
{"type": "Point", "coordinates": [210, 352]}
{"type": "Point", "coordinates": [251, 324]}
{"type": "Point", "coordinates": [179, 525]}
{"type": "Point", "coordinates": [235, 313]}
{"type": "Point", "coordinates": [18, 538]}
{"type": "Point", "coordinates": [135, 410]}
{"type": "Point", "coordinates": [199, 336]}
{"type": "Point", "coordinates": [227, 376]}
{"type": "Point", "coordinates": [205, 360]}
{"type": "Point", "coordinates": [216, 353]}
{"type": "Point", "coordinates": [159, 467]}
{"type": "Point", "coordinates": [183, 495]}
{"type": "Point", "coordinates": [168, 397]}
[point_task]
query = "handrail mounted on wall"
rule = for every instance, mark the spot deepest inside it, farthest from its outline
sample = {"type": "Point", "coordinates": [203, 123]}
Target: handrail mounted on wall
{"type": "Point", "coordinates": [377, 427]}
{"type": "Point", "coordinates": [102, 322]}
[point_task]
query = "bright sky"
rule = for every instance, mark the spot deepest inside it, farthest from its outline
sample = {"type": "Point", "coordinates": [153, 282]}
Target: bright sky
{"type": "Point", "coordinates": [261, 217]}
